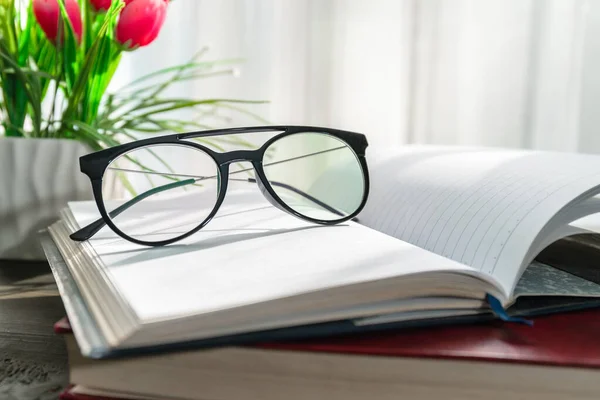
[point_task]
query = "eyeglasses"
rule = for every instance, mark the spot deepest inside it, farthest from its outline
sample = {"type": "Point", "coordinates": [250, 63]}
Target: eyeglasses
{"type": "Point", "coordinates": [316, 174]}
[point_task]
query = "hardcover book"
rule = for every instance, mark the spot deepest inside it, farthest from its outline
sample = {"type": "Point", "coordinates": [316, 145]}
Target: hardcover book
{"type": "Point", "coordinates": [557, 358]}
{"type": "Point", "coordinates": [448, 235]}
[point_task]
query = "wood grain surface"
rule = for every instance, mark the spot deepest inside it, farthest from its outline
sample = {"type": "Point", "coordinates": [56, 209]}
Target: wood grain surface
{"type": "Point", "coordinates": [33, 360]}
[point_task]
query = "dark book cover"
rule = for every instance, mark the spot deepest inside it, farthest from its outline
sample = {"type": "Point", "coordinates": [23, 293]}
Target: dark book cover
{"type": "Point", "coordinates": [568, 339]}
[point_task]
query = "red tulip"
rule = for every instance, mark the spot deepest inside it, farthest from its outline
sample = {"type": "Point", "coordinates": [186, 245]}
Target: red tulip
{"type": "Point", "coordinates": [104, 5]}
{"type": "Point", "coordinates": [140, 22]}
{"type": "Point", "coordinates": [100, 5]}
{"type": "Point", "coordinates": [47, 13]}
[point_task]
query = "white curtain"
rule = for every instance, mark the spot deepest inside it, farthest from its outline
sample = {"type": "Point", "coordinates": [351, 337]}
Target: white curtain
{"type": "Point", "coordinates": [514, 73]}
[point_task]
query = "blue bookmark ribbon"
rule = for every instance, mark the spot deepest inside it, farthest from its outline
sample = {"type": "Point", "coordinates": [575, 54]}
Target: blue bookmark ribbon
{"type": "Point", "coordinates": [497, 308]}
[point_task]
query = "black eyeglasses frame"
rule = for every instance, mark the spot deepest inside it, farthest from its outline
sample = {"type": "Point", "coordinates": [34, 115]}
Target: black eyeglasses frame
{"type": "Point", "coordinates": [95, 164]}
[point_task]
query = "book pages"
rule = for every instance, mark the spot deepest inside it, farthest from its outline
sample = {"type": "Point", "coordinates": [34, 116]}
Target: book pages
{"type": "Point", "coordinates": [480, 207]}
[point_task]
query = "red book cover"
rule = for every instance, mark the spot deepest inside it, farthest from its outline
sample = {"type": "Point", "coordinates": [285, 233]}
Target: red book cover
{"type": "Point", "coordinates": [68, 394]}
{"type": "Point", "coordinates": [62, 326]}
{"type": "Point", "coordinates": [566, 339]}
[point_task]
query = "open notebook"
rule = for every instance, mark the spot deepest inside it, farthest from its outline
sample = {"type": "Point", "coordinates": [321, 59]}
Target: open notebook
{"type": "Point", "coordinates": [446, 233]}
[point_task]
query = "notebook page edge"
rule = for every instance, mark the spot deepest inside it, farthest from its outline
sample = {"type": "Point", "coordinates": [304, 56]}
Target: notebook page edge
{"type": "Point", "coordinates": [104, 302]}
{"type": "Point", "coordinates": [84, 327]}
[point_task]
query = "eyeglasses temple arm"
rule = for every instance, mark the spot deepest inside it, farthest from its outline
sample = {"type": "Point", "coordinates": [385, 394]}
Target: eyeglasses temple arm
{"type": "Point", "coordinates": [91, 229]}
{"type": "Point", "coordinates": [303, 194]}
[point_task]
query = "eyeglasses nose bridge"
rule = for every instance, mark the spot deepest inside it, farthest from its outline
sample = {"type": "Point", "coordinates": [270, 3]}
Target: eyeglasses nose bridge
{"type": "Point", "coordinates": [252, 156]}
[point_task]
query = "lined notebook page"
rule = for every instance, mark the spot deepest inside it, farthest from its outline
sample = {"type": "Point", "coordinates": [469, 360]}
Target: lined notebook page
{"type": "Point", "coordinates": [249, 253]}
{"type": "Point", "coordinates": [483, 208]}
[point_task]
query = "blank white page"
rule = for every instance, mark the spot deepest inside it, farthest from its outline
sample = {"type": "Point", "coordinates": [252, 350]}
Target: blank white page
{"type": "Point", "coordinates": [249, 253]}
{"type": "Point", "coordinates": [480, 207]}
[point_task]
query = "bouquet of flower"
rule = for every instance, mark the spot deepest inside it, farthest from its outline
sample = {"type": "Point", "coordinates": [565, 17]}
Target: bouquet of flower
{"type": "Point", "coordinates": [57, 58]}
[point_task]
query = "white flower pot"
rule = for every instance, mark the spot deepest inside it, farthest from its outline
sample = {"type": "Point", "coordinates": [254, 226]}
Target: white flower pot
{"type": "Point", "coordinates": [37, 179]}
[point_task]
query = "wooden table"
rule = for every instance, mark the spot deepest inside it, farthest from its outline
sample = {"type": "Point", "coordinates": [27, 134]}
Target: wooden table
{"type": "Point", "coordinates": [33, 360]}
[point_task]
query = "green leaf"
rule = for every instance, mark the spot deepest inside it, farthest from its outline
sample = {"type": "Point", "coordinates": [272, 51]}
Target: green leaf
{"type": "Point", "coordinates": [109, 55]}
{"type": "Point", "coordinates": [31, 72]}
{"type": "Point", "coordinates": [25, 41]}
{"type": "Point", "coordinates": [88, 26]}
{"type": "Point", "coordinates": [45, 57]}
{"type": "Point", "coordinates": [67, 48]}
{"type": "Point", "coordinates": [181, 104]}
{"type": "Point", "coordinates": [178, 71]}
{"type": "Point", "coordinates": [19, 88]}
{"type": "Point", "coordinates": [179, 68]}
{"type": "Point", "coordinates": [9, 32]}
{"type": "Point", "coordinates": [94, 91]}
{"type": "Point", "coordinates": [90, 135]}
{"type": "Point", "coordinates": [84, 76]}
{"type": "Point", "coordinates": [15, 94]}
{"type": "Point", "coordinates": [141, 93]}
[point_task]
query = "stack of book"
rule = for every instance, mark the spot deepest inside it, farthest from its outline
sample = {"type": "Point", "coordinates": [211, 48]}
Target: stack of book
{"type": "Point", "coordinates": [417, 297]}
